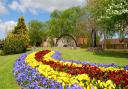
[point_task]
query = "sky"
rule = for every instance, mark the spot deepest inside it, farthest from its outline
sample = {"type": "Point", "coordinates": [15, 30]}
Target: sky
{"type": "Point", "coordinates": [10, 10]}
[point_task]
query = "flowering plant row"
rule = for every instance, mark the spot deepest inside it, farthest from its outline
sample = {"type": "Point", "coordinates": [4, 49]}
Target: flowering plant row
{"type": "Point", "coordinates": [46, 69]}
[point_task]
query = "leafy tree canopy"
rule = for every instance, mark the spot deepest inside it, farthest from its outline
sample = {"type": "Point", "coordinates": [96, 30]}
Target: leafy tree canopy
{"type": "Point", "coordinates": [37, 31]}
{"type": "Point", "coordinates": [63, 22]}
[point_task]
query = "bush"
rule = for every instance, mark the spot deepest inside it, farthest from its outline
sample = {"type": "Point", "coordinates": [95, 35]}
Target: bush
{"type": "Point", "coordinates": [15, 44]}
{"type": "Point", "coordinates": [1, 53]}
{"type": "Point", "coordinates": [83, 45]}
{"type": "Point", "coordinates": [1, 44]}
{"type": "Point", "coordinates": [1, 47]}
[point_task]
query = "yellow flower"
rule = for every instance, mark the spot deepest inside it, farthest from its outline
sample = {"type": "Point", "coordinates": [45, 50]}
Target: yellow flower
{"type": "Point", "coordinates": [99, 81]}
{"type": "Point", "coordinates": [110, 68]}
{"type": "Point", "coordinates": [83, 77]}
{"type": "Point", "coordinates": [49, 54]}
{"type": "Point", "coordinates": [108, 82]}
{"type": "Point", "coordinates": [81, 84]}
{"type": "Point", "coordinates": [95, 87]}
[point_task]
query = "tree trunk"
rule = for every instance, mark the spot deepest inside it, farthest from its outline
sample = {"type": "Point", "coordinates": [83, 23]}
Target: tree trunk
{"type": "Point", "coordinates": [104, 41]}
{"type": "Point", "coordinates": [94, 38]}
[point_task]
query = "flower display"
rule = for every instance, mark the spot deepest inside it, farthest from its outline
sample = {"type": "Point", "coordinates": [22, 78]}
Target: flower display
{"type": "Point", "coordinates": [47, 69]}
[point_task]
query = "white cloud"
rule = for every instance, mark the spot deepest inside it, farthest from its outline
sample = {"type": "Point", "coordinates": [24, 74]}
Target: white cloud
{"type": "Point", "coordinates": [1, 1]}
{"type": "Point", "coordinates": [3, 9]}
{"type": "Point", "coordinates": [6, 26]}
{"type": "Point", "coordinates": [47, 5]}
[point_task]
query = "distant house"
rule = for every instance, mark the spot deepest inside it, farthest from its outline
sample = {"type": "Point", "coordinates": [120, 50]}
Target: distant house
{"type": "Point", "coordinates": [82, 41]}
{"type": "Point", "coordinates": [115, 43]}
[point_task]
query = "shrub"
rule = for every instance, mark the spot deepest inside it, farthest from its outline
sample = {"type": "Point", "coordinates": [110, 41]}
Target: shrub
{"type": "Point", "coordinates": [1, 53]}
{"type": "Point", "coordinates": [1, 44]}
{"type": "Point", "coordinates": [83, 45]}
{"type": "Point", "coordinates": [1, 47]}
{"type": "Point", "coordinates": [15, 44]}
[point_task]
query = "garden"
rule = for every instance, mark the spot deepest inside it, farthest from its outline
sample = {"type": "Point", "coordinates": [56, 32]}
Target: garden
{"type": "Point", "coordinates": [81, 55]}
{"type": "Point", "coordinates": [47, 69]}
{"type": "Point", "coordinates": [82, 47]}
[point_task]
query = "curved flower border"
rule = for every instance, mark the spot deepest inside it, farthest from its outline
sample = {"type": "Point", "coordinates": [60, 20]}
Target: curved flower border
{"type": "Point", "coordinates": [29, 77]}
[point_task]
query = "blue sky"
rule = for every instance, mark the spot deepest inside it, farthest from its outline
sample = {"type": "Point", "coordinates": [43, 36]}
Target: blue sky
{"type": "Point", "coordinates": [10, 10]}
{"type": "Point", "coordinates": [13, 13]}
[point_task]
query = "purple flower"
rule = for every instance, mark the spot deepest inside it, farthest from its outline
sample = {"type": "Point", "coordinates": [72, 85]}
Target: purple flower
{"type": "Point", "coordinates": [29, 77]}
{"type": "Point", "coordinates": [126, 67]}
{"type": "Point", "coordinates": [56, 55]}
{"type": "Point", "coordinates": [75, 86]}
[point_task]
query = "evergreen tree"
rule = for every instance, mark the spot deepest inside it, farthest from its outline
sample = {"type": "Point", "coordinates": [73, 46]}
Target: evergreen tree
{"type": "Point", "coordinates": [20, 28]}
{"type": "Point", "coordinates": [18, 39]}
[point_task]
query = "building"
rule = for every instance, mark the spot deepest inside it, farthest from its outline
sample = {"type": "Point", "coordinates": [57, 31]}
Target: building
{"type": "Point", "coordinates": [115, 43]}
{"type": "Point", "coordinates": [82, 41]}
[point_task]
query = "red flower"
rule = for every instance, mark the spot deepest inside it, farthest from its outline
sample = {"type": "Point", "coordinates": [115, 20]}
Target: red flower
{"type": "Point", "coordinates": [39, 55]}
{"type": "Point", "coordinates": [119, 76]}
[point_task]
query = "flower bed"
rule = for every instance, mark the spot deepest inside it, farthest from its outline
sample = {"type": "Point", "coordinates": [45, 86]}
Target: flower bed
{"type": "Point", "coordinates": [46, 69]}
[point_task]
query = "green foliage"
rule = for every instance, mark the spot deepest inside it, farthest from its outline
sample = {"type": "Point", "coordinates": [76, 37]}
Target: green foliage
{"type": "Point", "coordinates": [96, 9]}
{"type": "Point", "coordinates": [1, 44]}
{"type": "Point", "coordinates": [64, 22]}
{"type": "Point", "coordinates": [1, 53]}
{"type": "Point", "coordinates": [17, 41]}
{"type": "Point", "coordinates": [14, 44]}
{"type": "Point", "coordinates": [20, 28]}
{"type": "Point", "coordinates": [83, 46]}
{"type": "Point", "coordinates": [115, 16]}
{"type": "Point", "coordinates": [116, 7]}
{"type": "Point", "coordinates": [38, 32]}
{"type": "Point", "coordinates": [111, 16]}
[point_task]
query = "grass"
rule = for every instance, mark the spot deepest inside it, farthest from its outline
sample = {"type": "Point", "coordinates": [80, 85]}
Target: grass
{"type": "Point", "coordinates": [120, 57]}
{"type": "Point", "coordinates": [7, 80]}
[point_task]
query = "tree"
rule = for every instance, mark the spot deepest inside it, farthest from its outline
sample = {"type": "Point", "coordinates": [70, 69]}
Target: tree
{"type": "Point", "coordinates": [21, 30]}
{"type": "Point", "coordinates": [54, 23]}
{"type": "Point", "coordinates": [111, 16]}
{"type": "Point", "coordinates": [64, 22]}
{"type": "Point", "coordinates": [90, 27]}
{"type": "Point", "coordinates": [37, 32]}
{"type": "Point", "coordinates": [96, 8]}
{"type": "Point", "coordinates": [117, 12]}
{"type": "Point", "coordinates": [18, 39]}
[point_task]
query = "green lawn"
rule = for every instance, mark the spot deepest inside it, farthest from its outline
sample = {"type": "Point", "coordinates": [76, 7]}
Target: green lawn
{"type": "Point", "coordinates": [7, 81]}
